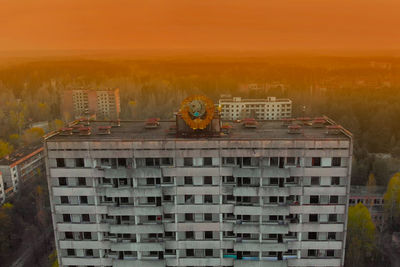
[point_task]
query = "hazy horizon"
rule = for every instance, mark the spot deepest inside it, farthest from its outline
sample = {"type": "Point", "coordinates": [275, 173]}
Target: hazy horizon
{"type": "Point", "coordinates": [192, 25]}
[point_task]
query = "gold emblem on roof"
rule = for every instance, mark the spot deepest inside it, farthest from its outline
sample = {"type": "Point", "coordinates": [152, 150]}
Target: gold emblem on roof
{"type": "Point", "coordinates": [197, 111]}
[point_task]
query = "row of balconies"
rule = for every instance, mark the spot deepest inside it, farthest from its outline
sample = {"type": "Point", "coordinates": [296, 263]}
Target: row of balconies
{"type": "Point", "coordinates": [195, 226]}
{"type": "Point", "coordinates": [147, 172]}
{"type": "Point", "coordinates": [214, 152]}
{"type": "Point", "coordinates": [201, 262]}
{"type": "Point", "coordinates": [153, 191]}
{"type": "Point", "coordinates": [146, 210]}
{"type": "Point", "coordinates": [242, 245]}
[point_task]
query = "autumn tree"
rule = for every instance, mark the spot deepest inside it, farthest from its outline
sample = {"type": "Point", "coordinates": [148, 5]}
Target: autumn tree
{"type": "Point", "coordinates": [14, 139]}
{"type": "Point", "coordinates": [371, 184]}
{"type": "Point", "coordinates": [392, 202]}
{"type": "Point", "coordinates": [56, 124]}
{"type": "Point", "coordinates": [53, 259]}
{"type": "Point", "coordinates": [5, 148]}
{"type": "Point", "coordinates": [32, 135]}
{"type": "Point", "coordinates": [360, 236]}
{"type": "Point", "coordinates": [18, 113]}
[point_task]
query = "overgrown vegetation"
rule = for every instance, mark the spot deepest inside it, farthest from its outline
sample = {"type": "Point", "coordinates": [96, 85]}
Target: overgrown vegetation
{"type": "Point", "coordinates": [25, 224]}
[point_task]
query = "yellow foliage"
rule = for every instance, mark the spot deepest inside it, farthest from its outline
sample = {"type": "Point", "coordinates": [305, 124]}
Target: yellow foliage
{"type": "Point", "coordinates": [392, 196]}
{"type": "Point", "coordinates": [14, 137]}
{"type": "Point", "coordinates": [371, 184]}
{"type": "Point", "coordinates": [53, 259]}
{"type": "Point", "coordinates": [8, 206]}
{"type": "Point", "coordinates": [360, 234]}
{"type": "Point", "coordinates": [5, 148]}
{"type": "Point", "coordinates": [371, 180]}
{"type": "Point", "coordinates": [39, 190]}
{"type": "Point", "coordinates": [33, 134]}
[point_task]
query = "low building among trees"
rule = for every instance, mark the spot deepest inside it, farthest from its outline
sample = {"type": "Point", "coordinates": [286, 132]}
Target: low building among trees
{"type": "Point", "coordinates": [18, 167]}
{"type": "Point", "coordinates": [372, 198]}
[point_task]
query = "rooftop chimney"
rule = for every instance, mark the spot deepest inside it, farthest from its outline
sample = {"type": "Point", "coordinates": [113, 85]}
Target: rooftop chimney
{"type": "Point", "coordinates": [84, 131]}
{"type": "Point", "coordinates": [152, 123]}
{"type": "Point", "coordinates": [104, 130]}
{"type": "Point", "coordinates": [333, 129]}
{"type": "Point", "coordinates": [294, 129]}
{"type": "Point", "coordinates": [66, 131]}
{"type": "Point", "coordinates": [250, 123]}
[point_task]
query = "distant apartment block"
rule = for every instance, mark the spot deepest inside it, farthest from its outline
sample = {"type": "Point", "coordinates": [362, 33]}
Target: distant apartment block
{"type": "Point", "coordinates": [270, 108]}
{"type": "Point", "coordinates": [182, 193]}
{"type": "Point", "coordinates": [18, 168]}
{"type": "Point", "coordinates": [372, 198]}
{"type": "Point", "coordinates": [261, 87]}
{"type": "Point", "coordinates": [103, 103]}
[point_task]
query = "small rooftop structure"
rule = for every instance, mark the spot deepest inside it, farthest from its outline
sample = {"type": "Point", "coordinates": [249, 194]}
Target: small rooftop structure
{"type": "Point", "coordinates": [104, 130]}
{"type": "Point", "coordinates": [333, 129]}
{"type": "Point", "coordinates": [250, 123]}
{"type": "Point", "coordinates": [152, 123]}
{"type": "Point", "coordinates": [318, 122]}
{"type": "Point", "coordinates": [294, 129]}
{"type": "Point", "coordinates": [66, 131]}
{"type": "Point", "coordinates": [84, 131]}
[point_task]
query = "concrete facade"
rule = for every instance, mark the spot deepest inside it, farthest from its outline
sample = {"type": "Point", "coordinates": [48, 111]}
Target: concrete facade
{"type": "Point", "coordinates": [270, 108]}
{"type": "Point", "coordinates": [255, 197]}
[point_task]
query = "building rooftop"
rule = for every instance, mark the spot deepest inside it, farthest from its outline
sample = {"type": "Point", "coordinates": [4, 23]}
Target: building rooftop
{"type": "Point", "coordinates": [139, 130]}
{"type": "Point", "coordinates": [266, 100]}
{"type": "Point", "coordinates": [21, 154]}
{"type": "Point", "coordinates": [92, 89]}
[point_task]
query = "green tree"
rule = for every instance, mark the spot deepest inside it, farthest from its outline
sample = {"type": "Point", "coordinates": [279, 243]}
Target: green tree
{"type": "Point", "coordinates": [360, 236]}
{"type": "Point", "coordinates": [392, 202]}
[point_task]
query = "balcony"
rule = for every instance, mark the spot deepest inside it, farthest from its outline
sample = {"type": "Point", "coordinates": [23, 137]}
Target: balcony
{"type": "Point", "coordinates": [198, 244]}
{"type": "Point", "coordinates": [139, 263]}
{"type": "Point", "coordinates": [133, 246]}
{"type": "Point", "coordinates": [78, 227]}
{"type": "Point", "coordinates": [126, 191]}
{"type": "Point", "coordinates": [315, 262]}
{"type": "Point", "coordinates": [262, 210]}
{"type": "Point", "coordinates": [84, 244]}
{"type": "Point", "coordinates": [116, 172]}
{"type": "Point", "coordinates": [198, 208]}
{"type": "Point", "coordinates": [194, 261]}
{"type": "Point", "coordinates": [316, 208]}
{"type": "Point", "coordinates": [250, 245]}
{"type": "Point", "coordinates": [136, 229]}
{"type": "Point", "coordinates": [86, 261]}
{"type": "Point", "coordinates": [135, 210]}
{"type": "Point", "coordinates": [316, 227]}
{"type": "Point", "coordinates": [260, 263]}
{"type": "Point", "coordinates": [315, 244]}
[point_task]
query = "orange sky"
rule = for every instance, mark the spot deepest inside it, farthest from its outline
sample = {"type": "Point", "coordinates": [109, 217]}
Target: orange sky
{"type": "Point", "coordinates": [199, 24]}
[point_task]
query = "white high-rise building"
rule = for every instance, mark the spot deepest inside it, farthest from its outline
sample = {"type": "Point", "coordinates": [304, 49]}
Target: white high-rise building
{"type": "Point", "coordinates": [270, 108]}
{"type": "Point", "coordinates": [272, 193]}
